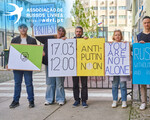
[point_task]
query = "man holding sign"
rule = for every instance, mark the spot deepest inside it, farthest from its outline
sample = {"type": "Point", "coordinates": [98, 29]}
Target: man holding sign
{"type": "Point", "coordinates": [144, 37]}
{"type": "Point", "coordinates": [18, 74]}
{"type": "Point", "coordinates": [84, 91]}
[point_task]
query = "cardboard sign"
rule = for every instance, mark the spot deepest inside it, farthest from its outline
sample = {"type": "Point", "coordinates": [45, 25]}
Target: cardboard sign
{"type": "Point", "coordinates": [141, 63]}
{"type": "Point", "coordinates": [25, 57]}
{"type": "Point", "coordinates": [61, 57]}
{"type": "Point", "coordinates": [44, 20]}
{"type": "Point", "coordinates": [117, 60]}
{"type": "Point", "coordinates": [90, 57]}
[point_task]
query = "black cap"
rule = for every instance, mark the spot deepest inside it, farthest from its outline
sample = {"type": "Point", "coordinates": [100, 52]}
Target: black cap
{"type": "Point", "coordinates": [22, 25]}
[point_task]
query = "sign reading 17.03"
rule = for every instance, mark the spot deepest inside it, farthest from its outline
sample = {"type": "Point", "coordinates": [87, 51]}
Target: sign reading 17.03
{"type": "Point", "coordinates": [61, 57]}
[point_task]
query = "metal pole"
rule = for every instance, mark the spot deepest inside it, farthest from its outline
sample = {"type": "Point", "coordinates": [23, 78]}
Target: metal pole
{"type": "Point", "coordinates": [5, 46]}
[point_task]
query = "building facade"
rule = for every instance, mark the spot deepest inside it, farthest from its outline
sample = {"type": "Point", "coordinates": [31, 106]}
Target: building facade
{"type": "Point", "coordinates": [139, 8]}
{"type": "Point", "coordinates": [113, 14]}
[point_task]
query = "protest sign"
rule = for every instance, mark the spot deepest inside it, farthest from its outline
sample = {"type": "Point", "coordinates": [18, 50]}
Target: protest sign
{"type": "Point", "coordinates": [90, 57]}
{"type": "Point", "coordinates": [44, 19]}
{"type": "Point", "coordinates": [117, 60]}
{"type": "Point", "coordinates": [61, 57]}
{"type": "Point", "coordinates": [141, 63]}
{"type": "Point", "coordinates": [25, 57]}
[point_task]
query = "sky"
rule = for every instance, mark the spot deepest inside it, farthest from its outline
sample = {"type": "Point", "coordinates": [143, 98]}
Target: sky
{"type": "Point", "coordinates": [69, 4]}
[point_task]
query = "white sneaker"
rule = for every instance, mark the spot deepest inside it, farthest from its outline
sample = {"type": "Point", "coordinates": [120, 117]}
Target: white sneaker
{"type": "Point", "coordinates": [47, 103]}
{"type": "Point", "coordinates": [124, 104]}
{"type": "Point", "coordinates": [61, 103]}
{"type": "Point", "coordinates": [114, 104]}
{"type": "Point", "coordinates": [143, 106]}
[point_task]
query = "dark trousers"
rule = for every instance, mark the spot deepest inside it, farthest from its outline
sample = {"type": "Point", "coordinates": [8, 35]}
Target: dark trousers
{"type": "Point", "coordinates": [84, 89]}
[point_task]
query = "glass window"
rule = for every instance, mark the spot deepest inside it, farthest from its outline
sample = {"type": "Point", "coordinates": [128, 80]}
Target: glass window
{"type": "Point", "coordinates": [112, 8]}
{"type": "Point", "coordinates": [122, 16]}
{"type": "Point", "coordinates": [112, 16]}
{"type": "Point", "coordinates": [110, 33]}
{"type": "Point", "coordinates": [122, 7]}
{"type": "Point", "coordinates": [103, 8]}
{"type": "Point", "coordinates": [95, 8]}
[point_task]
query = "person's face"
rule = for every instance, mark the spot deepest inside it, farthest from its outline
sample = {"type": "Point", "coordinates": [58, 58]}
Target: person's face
{"type": "Point", "coordinates": [78, 33]}
{"type": "Point", "coordinates": [117, 36]}
{"type": "Point", "coordinates": [60, 33]}
{"type": "Point", "coordinates": [146, 23]}
{"type": "Point", "coordinates": [23, 30]}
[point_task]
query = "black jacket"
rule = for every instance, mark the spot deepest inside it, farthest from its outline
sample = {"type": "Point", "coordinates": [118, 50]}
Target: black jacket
{"type": "Point", "coordinates": [30, 40]}
{"type": "Point", "coordinates": [44, 40]}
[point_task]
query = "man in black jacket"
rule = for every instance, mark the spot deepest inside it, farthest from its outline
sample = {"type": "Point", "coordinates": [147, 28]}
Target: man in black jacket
{"type": "Point", "coordinates": [18, 74]}
{"type": "Point", "coordinates": [84, 90]}
{"type": "Point", "coordinates": [144, 37]}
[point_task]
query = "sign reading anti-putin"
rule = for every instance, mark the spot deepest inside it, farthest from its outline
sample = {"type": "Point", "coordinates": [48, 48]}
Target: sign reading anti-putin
{"type": "Point", "coordinates": [141, 63]}
{"type": "Point", "coordinates": [25, 57]}
{"type": "Point", "coordinates": [62, 57]}
{"type": "Point", "coordinates": [44, 19]}
{"type": "Point", "coordinates": [90, 57]}
{"type": "Point", "coordinates": [117, 59]}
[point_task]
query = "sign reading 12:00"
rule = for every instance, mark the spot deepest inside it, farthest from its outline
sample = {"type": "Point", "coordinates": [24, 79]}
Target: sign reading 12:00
{"type": "Point", "coordinates": [61, 57]}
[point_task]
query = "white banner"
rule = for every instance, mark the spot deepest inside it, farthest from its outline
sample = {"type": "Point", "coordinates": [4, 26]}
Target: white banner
{"type": "Point", "coordinates": [62, 57]}
{"type": "Point", "coordinates": [117, 60]}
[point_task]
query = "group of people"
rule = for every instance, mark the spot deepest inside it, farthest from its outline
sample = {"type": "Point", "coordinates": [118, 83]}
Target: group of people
{"type": "Point", "coordinates": [55, 85]}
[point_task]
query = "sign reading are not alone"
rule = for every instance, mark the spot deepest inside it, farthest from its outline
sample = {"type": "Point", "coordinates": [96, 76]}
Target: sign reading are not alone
{"type": "Point", "coordinates": [117, 60]}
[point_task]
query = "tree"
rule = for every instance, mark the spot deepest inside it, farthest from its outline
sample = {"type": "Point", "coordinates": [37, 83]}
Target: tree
{"type": "Point", "coordinates": [84, 17]}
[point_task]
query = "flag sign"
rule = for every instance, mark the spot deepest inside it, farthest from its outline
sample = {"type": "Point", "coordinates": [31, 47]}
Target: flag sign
{"type": "Point", "coordinates": [141, 63]}
{"type": "Point", "coordinates": [90, 57]}
{"type": "Point", "coordinates": [61, 57]}
{"type": "Point", "coordinates": [25, 57]}
{"type": "Point", "coordinates": [100, 23]}
{"type": "Point", "coordinates": [117, 60]}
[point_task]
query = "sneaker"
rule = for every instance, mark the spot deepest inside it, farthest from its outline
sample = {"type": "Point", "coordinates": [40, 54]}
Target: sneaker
{"type": "Point", "coordinates": [47, 103]}
{"type": "Point", "coordinates": [31, 104]}
{"type": "Point", "coordinates": [84, 105]}
{"type": "Point", "coordinates": [61, 103]}
{"type": "Point", "coordinates": [14, 104]}
{"type": "Point", "coordinates": [143, 106]}
{"type": "Point", "coordinates": [76, 103]}
{"type": "Point", "coordinates": [124, 104]}
{"type": "Point", "coordinates": [114, 104]}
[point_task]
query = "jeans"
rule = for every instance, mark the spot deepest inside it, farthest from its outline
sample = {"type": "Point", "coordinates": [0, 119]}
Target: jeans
{"type": "Point", "coordinates": [18, 76]}
{"type": "Point", "coordinates": [54, 85]}
{"type": "Point", "coordinates": [115, 84]}
{"type": "Point", "coordinates": [84, 90]}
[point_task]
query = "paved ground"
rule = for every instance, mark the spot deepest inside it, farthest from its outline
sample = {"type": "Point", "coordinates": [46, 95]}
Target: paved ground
{"type": "Point", "coordinates": [99, 105]}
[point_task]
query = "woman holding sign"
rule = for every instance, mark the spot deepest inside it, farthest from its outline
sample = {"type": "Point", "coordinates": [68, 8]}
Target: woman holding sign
{"type": "Point", "coordinates": [116, 80]}
{"type": "Point", "coordinates": [54, 84]}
